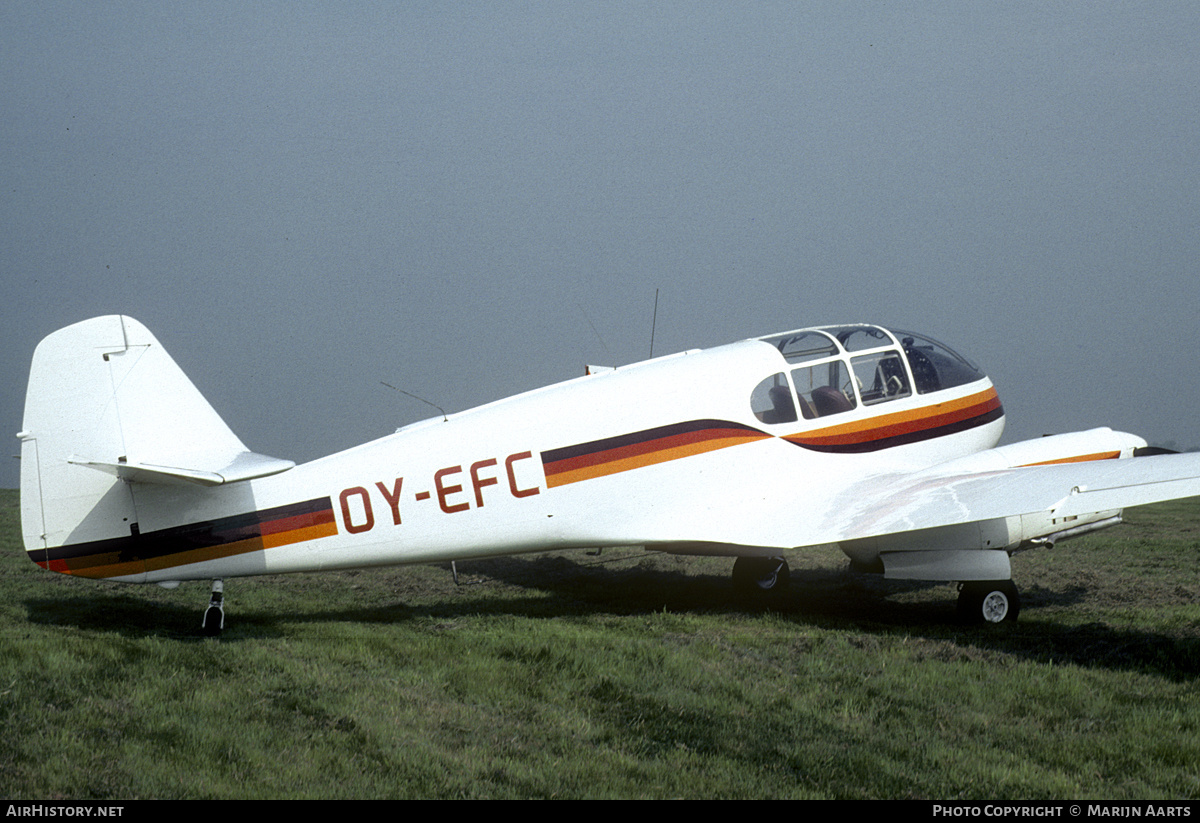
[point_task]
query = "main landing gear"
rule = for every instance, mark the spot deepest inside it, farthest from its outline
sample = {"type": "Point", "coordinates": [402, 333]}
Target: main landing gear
{"type": "Point", "coordinates": [214, 615]}
{"type": "Point", "coordinates": [993, 601]}
{"type": "Point", "coordinates": [752, 575]}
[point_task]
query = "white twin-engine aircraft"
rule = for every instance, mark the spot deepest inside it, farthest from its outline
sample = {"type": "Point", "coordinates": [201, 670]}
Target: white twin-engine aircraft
{"type": "Point", "coordinates": [880, 442]}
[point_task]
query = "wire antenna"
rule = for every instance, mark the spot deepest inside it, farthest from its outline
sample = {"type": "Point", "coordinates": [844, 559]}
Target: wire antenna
{"type": "Point", "coordinates": [593, 326]}
{"type": "Point", "coordinates": [422, 399]}
{"type": "Point", "coordinates": [653, 323]}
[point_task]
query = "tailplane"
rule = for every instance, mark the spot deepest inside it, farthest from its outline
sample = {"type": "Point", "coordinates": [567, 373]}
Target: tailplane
{"type": "Point", "coordinates": [107, 407]}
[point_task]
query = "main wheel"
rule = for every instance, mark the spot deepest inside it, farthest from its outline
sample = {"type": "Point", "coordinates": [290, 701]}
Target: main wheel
{"type": "Point", "coordinates": [760, 574]}
{"type": "Point", "coordinates": [988, 602]}
{"type": "Point", "coordinates": [213, 622]}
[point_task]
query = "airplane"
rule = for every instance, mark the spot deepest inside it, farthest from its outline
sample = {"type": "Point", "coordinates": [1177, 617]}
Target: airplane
{"type": "Point", "coordinates": [881, 442]}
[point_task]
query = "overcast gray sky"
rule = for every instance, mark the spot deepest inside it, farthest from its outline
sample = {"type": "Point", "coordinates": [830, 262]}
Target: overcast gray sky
{"type": "Point", "coordinates": [467, 200]}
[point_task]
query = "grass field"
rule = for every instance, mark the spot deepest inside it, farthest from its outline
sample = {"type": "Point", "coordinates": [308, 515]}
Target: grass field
{"type": "Point", "coordinates": [629, 675]}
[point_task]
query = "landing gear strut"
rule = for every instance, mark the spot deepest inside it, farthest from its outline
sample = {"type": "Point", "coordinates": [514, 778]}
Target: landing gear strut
{"type": "Point", "coordinates": [994, 601]}
{"type": "Point", "coordinates": [214, 615]}
{"type": "Point", "coordinates": [760, 574]}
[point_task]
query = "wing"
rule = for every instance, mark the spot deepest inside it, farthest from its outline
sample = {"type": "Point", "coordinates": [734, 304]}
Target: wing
{"type": "Point", "coordinates": [952, 525]}
{"type": "Point", "coordinates": [946, 497]}
{"type": "Point", "coordinates": [961, 520]}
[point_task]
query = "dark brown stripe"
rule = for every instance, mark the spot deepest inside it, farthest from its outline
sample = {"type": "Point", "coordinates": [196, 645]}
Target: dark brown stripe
{"type": "Point", "coordinates": [190, 543]}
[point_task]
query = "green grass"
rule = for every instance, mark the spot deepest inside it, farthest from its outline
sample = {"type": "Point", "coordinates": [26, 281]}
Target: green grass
{"type": "Point", "coordinates": [626, 676]}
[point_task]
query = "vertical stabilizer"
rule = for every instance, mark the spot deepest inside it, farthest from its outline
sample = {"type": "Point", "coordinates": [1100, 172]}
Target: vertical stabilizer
{"type": "Point", "coordinates": [106, 407]}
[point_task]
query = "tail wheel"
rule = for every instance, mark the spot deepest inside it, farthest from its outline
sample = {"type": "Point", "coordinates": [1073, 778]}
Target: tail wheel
{"type": "Point", "coordinates": [760, 574]}
{"type": "Point", "coordinates": [994, 601]}
{"type": "Point", "coordinates": [214, 616]}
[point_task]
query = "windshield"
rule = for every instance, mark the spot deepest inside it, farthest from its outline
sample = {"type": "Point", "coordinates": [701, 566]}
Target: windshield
{"type": "Point", "coordinates": [936, 366]}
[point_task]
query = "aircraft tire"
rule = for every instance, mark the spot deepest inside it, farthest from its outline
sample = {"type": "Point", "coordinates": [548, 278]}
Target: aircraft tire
{"type": "Point", "coordinates": [754, 575]}
{"type": "Point", "coordinates": [994, 601]}
{"type": "Point", "coordinates": [212, 622]}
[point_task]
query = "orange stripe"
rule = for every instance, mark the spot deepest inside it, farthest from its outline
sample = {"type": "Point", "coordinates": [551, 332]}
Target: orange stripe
{"type": "Point", "coordinates": [270, 541]}
{"type": "Point", "coordinates": [1080, 458]}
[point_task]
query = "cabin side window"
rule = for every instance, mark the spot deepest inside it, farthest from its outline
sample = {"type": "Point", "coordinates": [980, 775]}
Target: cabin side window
{"type": "Point", "coordinates": [824, 389]}
{"type": "Point", "coordinates": [880, 377]}
{"type": "Point", "coordinates": [771, 400]}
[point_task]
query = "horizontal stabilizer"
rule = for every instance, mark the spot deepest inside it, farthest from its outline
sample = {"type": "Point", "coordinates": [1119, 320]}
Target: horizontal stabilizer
{"type": "Point", "coordinates": [246, 466]}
